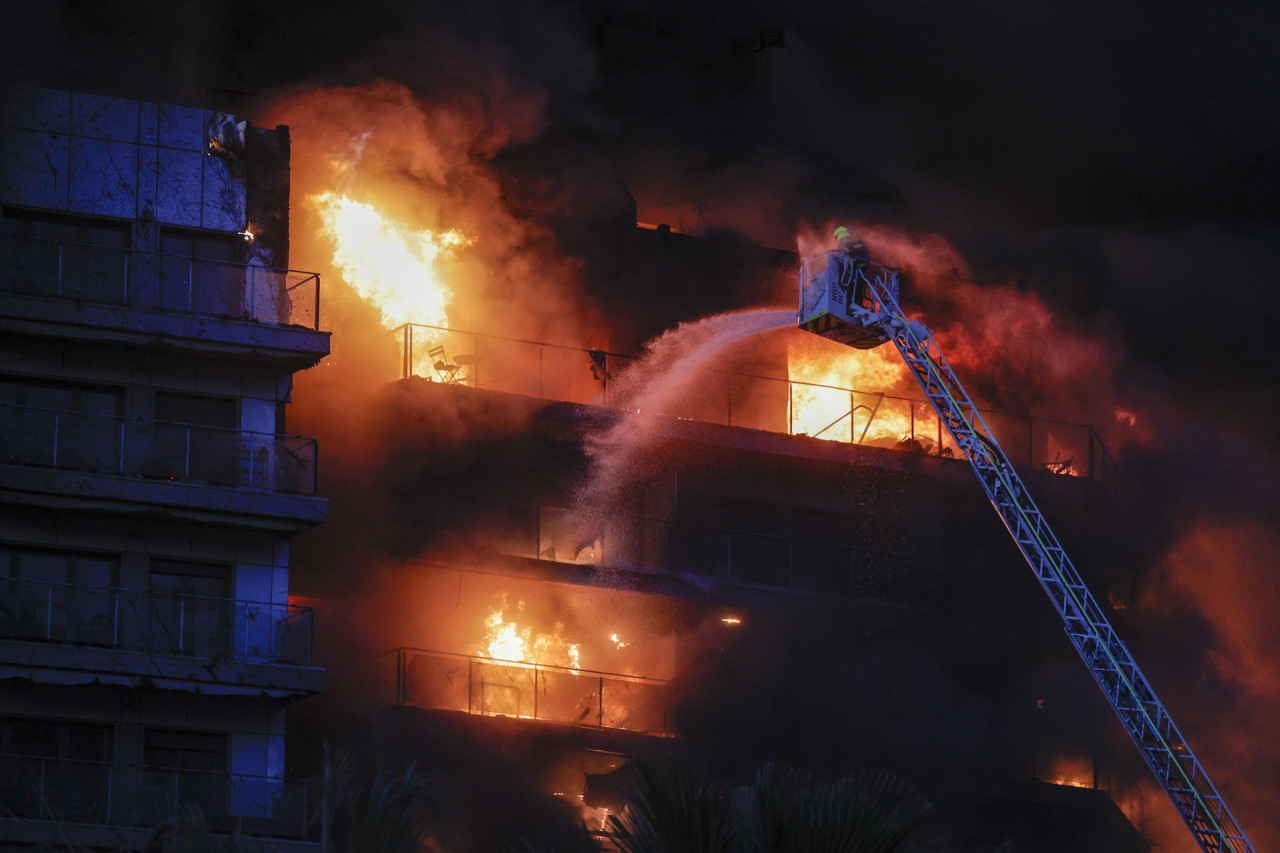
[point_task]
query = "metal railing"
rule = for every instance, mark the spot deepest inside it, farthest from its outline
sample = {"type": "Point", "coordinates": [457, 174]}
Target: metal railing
{"type": "Point", "coordinates": [497, 688]}
{"type": "Point", "coordinates": [136, 620]}
{"type": "Point", "coordinates": [737, 557]}
{"type": "Point", "coordinates": [123, 795]}
{"type": "Point", "coordinates": [147, 281]}
{"type": "Point", "coordinates": [579, 375]}
{"type": "Point", "coordinates": [157, 450]}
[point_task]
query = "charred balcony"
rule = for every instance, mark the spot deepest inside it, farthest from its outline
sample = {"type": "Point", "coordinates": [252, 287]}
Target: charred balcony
{"type": "Point", "coordinates": [484, 686]}
{"type": "Point", "coordinates": [664, 554]}
{"type": "Point", "coordinates": [96, 805]}
{"type": "Point", "coordinates": [179, 468]}
{"type": "Point", "coordinates": [76, 289]}
{"type": "Point", "coordinates": [175, 640]}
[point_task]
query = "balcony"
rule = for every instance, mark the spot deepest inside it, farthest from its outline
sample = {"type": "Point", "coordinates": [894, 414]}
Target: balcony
{"type": "Point", "coordinates": [791, 407]}
{"type": "Point", "coordinates": [129, 291]}
{"type": "Point", "coordinates": [671, 549]}
{"type": "Point", "coordinates": [173, 641]}
{"type": "Point", "coordinates": [529, 691]}
{"type": "Point", "coordinates": [139, 460]}
{"type": "Point", "coordinates": [157, 450]}
{"type": "Point", "coordinates": [134, 620]}
{"type": "Point", "coordinates": [71, 793]}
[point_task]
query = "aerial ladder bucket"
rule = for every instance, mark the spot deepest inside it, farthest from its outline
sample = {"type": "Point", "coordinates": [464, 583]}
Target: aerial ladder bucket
{"type": "Point", "coordinates": [857, 304]}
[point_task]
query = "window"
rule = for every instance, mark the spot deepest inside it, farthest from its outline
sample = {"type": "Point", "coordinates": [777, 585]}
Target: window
{"type": "Point", "coordinates": [70, 759]}
{"type": "Point", "coordinates": [198, 438]}
{"type": "Point", "coordinates": [84, 230]}
{"type": "Point", "coordinates": [67, 425]}
{"type": "Point", "coordinates": [72, 257]}
{"type": "Point", "coordinates": [190, 608]}
{"type": "Point", "coordinates": [57, 597]}
{"type": "Point", "coordinates": [202, 245]}
{"type": "Point", "coordinates": [191, 764]}
{"type": "Point", "coordinates": [202, 272]}
{"type": "Point", "coordinates": [196, 409]}
{"type": "Point", "coordinates": [64, 396]}
{"type": "Point", "coordinates": [168, 749]}
{"type": "Point", "coordinates": [55, 739]}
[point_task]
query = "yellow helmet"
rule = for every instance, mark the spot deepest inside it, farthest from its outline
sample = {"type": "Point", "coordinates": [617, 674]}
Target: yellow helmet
{"type": "Point", "coordinates": [842, 233]}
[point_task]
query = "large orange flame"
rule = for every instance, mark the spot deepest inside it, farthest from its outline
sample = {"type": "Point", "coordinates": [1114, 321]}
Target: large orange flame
{"type": "Point", "coordinates": [389, 264]}
{"type": "Point", "coordinates": [505, 640]}
{"type": "Point", "coordinates": [850, 407]}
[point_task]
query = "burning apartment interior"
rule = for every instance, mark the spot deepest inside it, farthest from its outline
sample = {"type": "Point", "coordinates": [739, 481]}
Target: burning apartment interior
{"type": "Point", "coordinates": [552, 549]}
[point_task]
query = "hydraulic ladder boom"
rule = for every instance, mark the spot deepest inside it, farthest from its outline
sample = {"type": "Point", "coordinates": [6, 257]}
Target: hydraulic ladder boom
{"type": "Point", "coordinates": [1144, 717]}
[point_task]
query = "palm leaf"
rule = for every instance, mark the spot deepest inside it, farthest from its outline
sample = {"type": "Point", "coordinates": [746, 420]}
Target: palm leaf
{"type": "Point", "coordinates": [671, 809]}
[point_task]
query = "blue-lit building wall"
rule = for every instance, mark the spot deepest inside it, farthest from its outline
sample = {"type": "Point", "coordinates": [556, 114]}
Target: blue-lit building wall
{"type": "Point", "coordinates": [149, 489]}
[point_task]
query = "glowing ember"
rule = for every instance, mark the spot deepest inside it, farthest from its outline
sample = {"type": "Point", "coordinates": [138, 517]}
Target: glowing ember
{"type": "Point", "coordinates": [731, 620]}
{"type": "Point", "coordinates": [389, 264]}
{"type": "Point", "coordinates": [617, 644]}
{"type": "Point", "coordinates": [507, 641]}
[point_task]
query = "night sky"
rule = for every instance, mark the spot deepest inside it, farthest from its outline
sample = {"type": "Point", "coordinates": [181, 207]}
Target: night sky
{"type": "Point", "coordinates": [1121, 161]}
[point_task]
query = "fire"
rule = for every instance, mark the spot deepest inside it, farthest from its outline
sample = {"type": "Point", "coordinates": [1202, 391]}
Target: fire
{"type": "Point", "coordinates": [507, 641]}
{"type": "Point", "coordinates": [617, 643]}
{"type": "Point", "coordinates": [1072, 772]}
{"type": "Point", "coordinates": [836, 414]}
{"type": "Point", "coordinates": [390, 264]}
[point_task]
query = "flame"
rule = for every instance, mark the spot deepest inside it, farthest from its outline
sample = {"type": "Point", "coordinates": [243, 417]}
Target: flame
{"type": "Point", "coordinates": [825, 412]}
{"type": "Point", "coordinates": [389, 264]}
{"type": "Point", "coordinates": [507, 641]}
{"type": "Point", "coordinates": [617, 644]}
{"type": "Point", "coordinates": [1072, 772]}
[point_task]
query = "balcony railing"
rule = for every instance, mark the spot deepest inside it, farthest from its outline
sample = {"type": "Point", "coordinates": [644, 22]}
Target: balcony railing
{"type": "Point", "coordinates": [578, 375]}
{"type": "Point", "coordinates": [736, 557]}
{"type": "Point", "coordinates": [497, 688]}
{"type": "Point", "coordinates": [157, 450]}
{"type": "Point", "coordinates": [120, 795]}
{"type": "Point", "coordinates": [135, 620]}
{"type": "Point", "coordinates": [150, 282]}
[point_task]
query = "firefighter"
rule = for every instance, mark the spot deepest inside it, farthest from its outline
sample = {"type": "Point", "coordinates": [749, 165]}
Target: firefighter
{"type": "Point", "coordinates": [858, 258]}
{"type": "Point", "coordinates": [855, 249]}
{"type": "Point", "coordinates": [855, 287]}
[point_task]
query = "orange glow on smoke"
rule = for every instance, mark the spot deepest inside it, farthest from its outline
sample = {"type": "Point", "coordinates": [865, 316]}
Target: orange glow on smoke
{"type": "Point", "coordinates": [1072, 772]}
{"type": "Point", "coordinates": [393, 266]}
{"type": "Point", "coordinates": [505, 640]}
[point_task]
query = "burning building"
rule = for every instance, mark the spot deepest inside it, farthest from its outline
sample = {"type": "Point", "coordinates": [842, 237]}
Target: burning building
{"type": "Point", "coordinates": [549, 554]}
{"type": "Point", "coordinates": [149, 487]}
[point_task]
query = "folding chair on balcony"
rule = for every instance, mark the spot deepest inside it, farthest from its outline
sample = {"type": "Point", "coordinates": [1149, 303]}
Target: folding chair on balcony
{"type": "Point", "coordinates": [447, 370]}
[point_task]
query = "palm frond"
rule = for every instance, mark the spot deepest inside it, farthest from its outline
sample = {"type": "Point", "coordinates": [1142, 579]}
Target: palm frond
{"type": "Point", "coordinates": [671, 809]}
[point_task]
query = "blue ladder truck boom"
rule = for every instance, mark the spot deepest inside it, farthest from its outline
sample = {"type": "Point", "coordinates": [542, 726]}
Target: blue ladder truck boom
{"type": "Point", "coordinates": [855, 302]}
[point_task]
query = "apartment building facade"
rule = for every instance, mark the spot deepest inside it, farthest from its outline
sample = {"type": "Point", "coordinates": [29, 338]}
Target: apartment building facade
{"type": "Point", "coordinates": [149, 490]}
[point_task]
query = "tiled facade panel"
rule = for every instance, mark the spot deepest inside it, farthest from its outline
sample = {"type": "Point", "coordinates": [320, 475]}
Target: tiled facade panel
{"type": "Point", "coordinates": [110, 157]}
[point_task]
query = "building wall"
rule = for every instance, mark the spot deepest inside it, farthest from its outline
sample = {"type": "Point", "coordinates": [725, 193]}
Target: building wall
{"type": "Point", "coordinates": [126, 193]}
{"type": "Point", "coordinates": [80, 153]}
